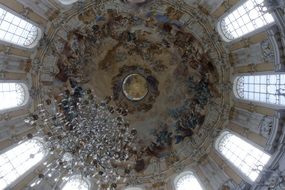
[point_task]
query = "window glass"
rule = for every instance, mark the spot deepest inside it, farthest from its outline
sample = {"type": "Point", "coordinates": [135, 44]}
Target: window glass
{"type": "Point", "coordinates": [262, 88]}
{"type": "Point", "coordinates": [16, 30]}
{"type": "Point", "coordinates": [18, 160]}
{"type": "Point", "coordinates": [133, 188]}
{"type": "Point", "coordinates": [67, 2]}
{"type": "Point", "coordinates": [244, 156]}
{"type": "Point", "coordinates": [76, 183]}
{"type": "Point", "coordinates": [12, 95]}
{"type": "Point", "coordinates": [246, 18]}
{"type": "Point", "coordinates": [187, 181]}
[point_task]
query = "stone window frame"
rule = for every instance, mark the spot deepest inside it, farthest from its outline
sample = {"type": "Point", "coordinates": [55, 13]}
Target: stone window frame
{"type": "Point", "coordinates": [82, 179]}
{"type": "Point", "coordinates": [26, 100]}
{"type": "Point", "coordinates": [35, 141]}
{"type": "Point", "coordinates": [38, 31]}
{"type": "Point", "coordinates": [221, 29]}
{"type": "Point", "coordinates": [232, 165]}
{"type": "Point", "coordinates": [254, 101]}
{"type": "Point", "coordinates": [185, 173]}
{"type": "Point", "coordinates": [67, 2]}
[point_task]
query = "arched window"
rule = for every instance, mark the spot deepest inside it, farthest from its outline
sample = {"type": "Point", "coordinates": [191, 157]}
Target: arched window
{"type": "Point", "coordinates": [12, 95]}
{"type": "Point", "coordinates": [67, 2]}
{"type": "Point", "coordinates": [261, 88]}
{"type": "Point", "coordinates": [76, 182]}
{"type": "Point", "coordinates": [187, 181]}
{"type": "Point", "coordinates": [248, 159]}
{"type": "Point", "coordinates": [18, 160]}
{"type": "Point", "coordinates": [246, 18]}
{"type": "Point", "coordinates": [133, 188]}
{"type": "Point", "coordinates": [16, 30]}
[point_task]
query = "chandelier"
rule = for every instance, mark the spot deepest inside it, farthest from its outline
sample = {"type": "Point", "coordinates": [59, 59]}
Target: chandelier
{"type": "Point", "coordinates": [85, 136]}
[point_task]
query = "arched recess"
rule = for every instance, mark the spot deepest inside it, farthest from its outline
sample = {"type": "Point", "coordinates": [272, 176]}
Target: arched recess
{"type": "Point", "coordinates": [13, 95]}
{"type": "Point", "coordinates": [245, 157]}
{"type": "Point", "coordinates": [267, 89]}
{"type": "Point", "coordinates": [244, 19]}
{"type": "Point", "coordinates": [76, 182]}
{"type": "Point", "coordinates": [67, 2]}
{"type": "Point", "coordinates": [18, 160]}
{"type": "Point", "coordinates": [187, 181]}
{"type": "Point", "coordinates": [14, 29]}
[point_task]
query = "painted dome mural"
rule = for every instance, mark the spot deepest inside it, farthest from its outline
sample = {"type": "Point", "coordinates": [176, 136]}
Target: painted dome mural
{"type": "Point", "coordinates": [142, 94]}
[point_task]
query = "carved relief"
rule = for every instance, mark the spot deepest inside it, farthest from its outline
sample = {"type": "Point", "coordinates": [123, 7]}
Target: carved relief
{"type": "Point", "coordinates": [265, 126]}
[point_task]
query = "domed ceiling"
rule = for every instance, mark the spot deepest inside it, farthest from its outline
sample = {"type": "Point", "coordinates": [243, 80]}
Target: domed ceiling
{"type": "Point", "coordinates": [161, 65]}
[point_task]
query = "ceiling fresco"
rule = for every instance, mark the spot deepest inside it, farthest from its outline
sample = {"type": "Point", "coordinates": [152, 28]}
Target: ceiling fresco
{"type": "Point", "coordinates": [157, 73]}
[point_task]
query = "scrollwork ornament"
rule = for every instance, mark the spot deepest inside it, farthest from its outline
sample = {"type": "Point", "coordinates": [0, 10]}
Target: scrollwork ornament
{"type": "Point", "coordinates": [7, 50]}
{"type": "Point", "coordinates": [59, 22]}
{"type": "Point", "coordinates": [267, 50]}
{"type": "Point", "coordinates": [226, 86]}
{"type": "Point", "coordinates": [35, 66]}
{"type": "Point", "coordinates": [201, 152]}
{"type": "Point", "coordinates": [227, 5]}
{"type": "Point", "coordinates": [265, 126]}
{"type": "Point", "coordinates": [45, 41]}
{"type": "Point", "coordinates": [5, 117]}
{"type": "Point", "coordinates": [134, 181]}
{"type": "Point", "coordinates": [229, 185]}
{"type": "Point", "coordinates": [178, 168]}
{"type": "Point", "coordinates": [181, 3]}
{"type": "Point", "coordinates": [276, 180]}
{"type": "Point", "coordinates": [216, 132]}
{"type": "Point", "coordinates": [226, 112]}
{"type": "Point", "coordinates": [15, 139]}
{"type": "Point", "coordinates": [158, 178]}
{"type": "Point", "coordinates": [25, 12]}
{"type": "Point", "coordinates": [34, 92]}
